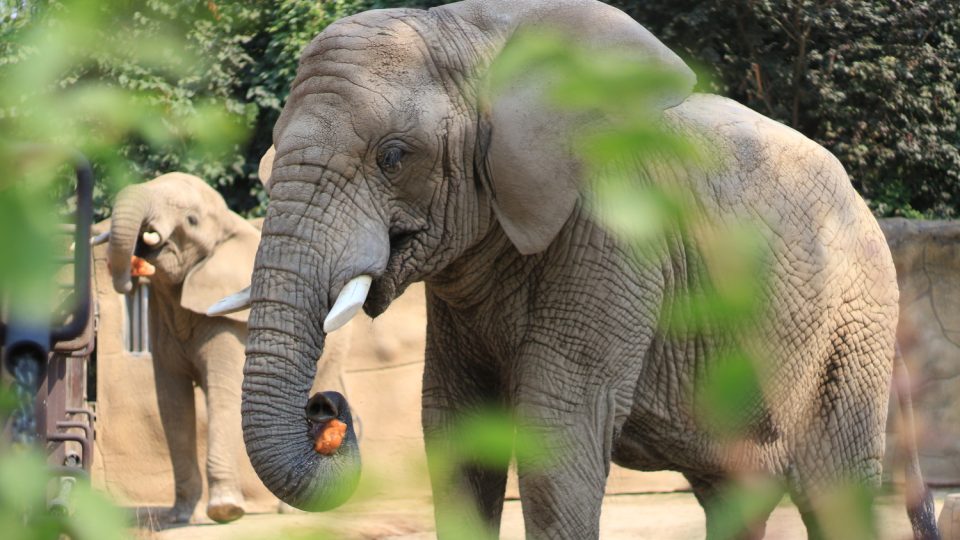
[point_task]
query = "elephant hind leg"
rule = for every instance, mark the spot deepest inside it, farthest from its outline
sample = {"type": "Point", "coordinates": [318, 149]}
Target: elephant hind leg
{"type": "Point", "coordinates": [837, 465]}
{"type": "Point", "coordinates": [733, 510]}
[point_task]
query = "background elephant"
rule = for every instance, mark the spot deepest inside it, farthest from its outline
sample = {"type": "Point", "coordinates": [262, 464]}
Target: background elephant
{"type": "Point", "coordinates": [199, 250]}
{"type": "Point", "coordinates": [390, 163]}
{"type": "Point", "coordinates": [198, 247]}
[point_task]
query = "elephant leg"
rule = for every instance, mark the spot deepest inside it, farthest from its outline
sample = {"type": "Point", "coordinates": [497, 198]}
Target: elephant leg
{"type": "Point", "coordinates": [838, 464]}
{"type": "Point", "coordinates": [178, 417]}
{"type": "Point", "coordinates": [465, 494]}
{"type": "Point", "coordinates": [562, 484]}
{"type": "Point", "coordinates": [728, 517]}
{"type": "Point", "coordinates": [221, 362]}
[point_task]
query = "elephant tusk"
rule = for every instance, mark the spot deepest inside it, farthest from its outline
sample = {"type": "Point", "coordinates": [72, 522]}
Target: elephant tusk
{"type": "Point", "coordinates": [151, 238]}
{"type": "Point", "coordinates": [348, 303]}
{"type": "Point", "coordinates": [237, 301]}
{"type": "Point", "coordinates": [101, 238]}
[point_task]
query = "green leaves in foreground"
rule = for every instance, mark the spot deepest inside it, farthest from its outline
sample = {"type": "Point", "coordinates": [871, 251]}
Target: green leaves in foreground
{"type": "Point", "coordinates": [485, 440]}
{"type": "Point", "coordinates": [614, 99]}
{"type": "Point", "coordinates": [58, 89]}
{"type": "Point", "coordinates": [843, 510]}
{"type": "Point", "coordinates": [25, 483]}
{"type": "Point", "coordinates": [729, 397]}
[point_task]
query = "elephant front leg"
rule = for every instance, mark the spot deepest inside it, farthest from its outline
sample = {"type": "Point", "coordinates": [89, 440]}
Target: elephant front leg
{"type": "Point", "coordinates": [178, 417]}
{"type": "Point", "coordinates": [568, 403]}
{"type": "Point", "coordinates": [468, 496]}
{"type": "Point", "coordinates": [221, 362]}
{"type": "Point", "coordinates": [563, 478]}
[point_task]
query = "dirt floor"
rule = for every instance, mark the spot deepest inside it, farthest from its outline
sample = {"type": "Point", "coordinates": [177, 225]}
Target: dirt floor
{"type": "Point", "coordinates": [661, 516]}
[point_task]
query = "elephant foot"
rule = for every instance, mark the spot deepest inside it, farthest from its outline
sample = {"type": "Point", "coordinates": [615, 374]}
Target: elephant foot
{"type": "Point", "coordinates": [180, 513]}
{"type": "Point", "coordinates": [224, 509]}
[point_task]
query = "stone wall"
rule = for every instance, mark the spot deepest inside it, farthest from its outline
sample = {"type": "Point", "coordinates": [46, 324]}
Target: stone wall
{"type": "Point", "coordinates": [382, 366]}
{"type": "Point", "coordinates": [927, 255]}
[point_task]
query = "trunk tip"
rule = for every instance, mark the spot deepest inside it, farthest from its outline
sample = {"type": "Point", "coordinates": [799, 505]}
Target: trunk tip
{"type": "Point", "coordinates": [123, 285]}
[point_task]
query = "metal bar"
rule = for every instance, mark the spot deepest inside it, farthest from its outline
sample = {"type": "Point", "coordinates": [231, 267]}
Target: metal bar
{"type": "Point", "coordinates": [134, 320]}
{"type": "Point", "coordinates": [81, 268]}
{"type": "Point", "coordinates": [68, 471]}
{"type": "Point", "coordinates": [77, 425]}
{"type": "Point", "coordinates": [84, 443]}
{"type": "Point", "coordinates": [145, 303]}
{"type": "Point", "coordinates": [91, 416]}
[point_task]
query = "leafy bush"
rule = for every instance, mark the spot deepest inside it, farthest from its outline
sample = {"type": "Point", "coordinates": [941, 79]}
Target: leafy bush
{"type": "Point", "coordinates": [877, 83]}
{"type": "Point", "coordinates": [233, 56]}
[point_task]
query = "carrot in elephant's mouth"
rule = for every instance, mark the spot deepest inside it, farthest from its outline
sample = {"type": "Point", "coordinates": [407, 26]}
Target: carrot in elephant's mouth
{"type": "Point", "coordinates": [140, 267]}
{"type": "Point", "coordinates": [330, 437]}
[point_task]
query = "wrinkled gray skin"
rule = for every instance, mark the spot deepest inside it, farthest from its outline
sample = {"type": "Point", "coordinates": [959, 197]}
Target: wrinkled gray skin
{"type": "Point", "coordinates": [205, 251]}
{"type": "Point", "coordinates": [530, 302]}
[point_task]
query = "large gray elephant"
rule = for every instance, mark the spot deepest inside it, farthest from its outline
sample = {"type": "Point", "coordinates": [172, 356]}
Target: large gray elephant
{"type": "Point", "coordinates": [391, 165]}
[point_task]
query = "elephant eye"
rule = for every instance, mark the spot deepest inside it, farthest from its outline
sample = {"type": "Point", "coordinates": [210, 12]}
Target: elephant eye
{"type": "Point", "coordinates": [389, 159]}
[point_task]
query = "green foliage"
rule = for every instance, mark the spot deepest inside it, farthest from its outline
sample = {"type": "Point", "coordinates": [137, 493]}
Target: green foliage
{"type": "Point", "coordinates": [66, 84]}
{"type": "Point", "coordinates": [486, 438]}
{"type": "Point", "coordinates": [184, 59]}
{"type": "Point", "coordinates": [24, 484]}
{"type": "Point", "coordinates": [875, 82]}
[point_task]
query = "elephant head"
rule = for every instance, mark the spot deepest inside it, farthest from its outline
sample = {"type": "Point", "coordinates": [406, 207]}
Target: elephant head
{"type": "Point", "coordinates": [390, 163]}
{"type": "Point", "coordinates": [183, 229]}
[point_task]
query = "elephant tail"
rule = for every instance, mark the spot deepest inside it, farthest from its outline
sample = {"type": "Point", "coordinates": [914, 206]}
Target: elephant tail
{"type": "Point", "coordinates": [920, 507]}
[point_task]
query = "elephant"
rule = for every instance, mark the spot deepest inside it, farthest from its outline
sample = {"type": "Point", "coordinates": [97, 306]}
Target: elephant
{"type": "Point", "coordinates": [392, 165]}
{"type": "Point", "coordinates": [178, 230]}
{"type": "Point", "coordinates": [197, 247]}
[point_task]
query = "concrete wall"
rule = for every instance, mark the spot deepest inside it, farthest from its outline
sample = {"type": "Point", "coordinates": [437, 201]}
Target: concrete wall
{"type": "Point", "coordinates": [927, 255]}
{"type": "Point", "coordinates": [383, 364]}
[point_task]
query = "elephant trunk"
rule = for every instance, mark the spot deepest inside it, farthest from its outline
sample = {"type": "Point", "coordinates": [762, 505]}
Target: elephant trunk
{"type": "Point", "coordinates": [132, 208]}
{"type": "Point", "coordinates": [293, 289]}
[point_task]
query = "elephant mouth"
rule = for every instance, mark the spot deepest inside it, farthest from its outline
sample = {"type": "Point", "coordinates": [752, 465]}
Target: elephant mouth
{"type": "Point", "coordinates": [397, 273]}
{"type": "Point", "coordinates": [147, 251]}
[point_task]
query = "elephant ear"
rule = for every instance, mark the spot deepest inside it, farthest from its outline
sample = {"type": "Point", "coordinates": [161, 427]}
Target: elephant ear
{"type": "Point", "coordinates": [533, 172]}
{"type": "Point", "coordinates": [225, 271]}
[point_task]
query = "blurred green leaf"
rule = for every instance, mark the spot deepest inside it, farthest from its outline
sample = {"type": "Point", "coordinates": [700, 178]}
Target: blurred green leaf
{"type": "Point", "coordinates": [24, 483]}
{"type": "Point", "coordinates": [729, 396]}
{"type": "Point", "coordinates": [23, 478]}
{"type": "Point", "coordinates": [846, 510]}
{"type": "Point", "coordinates": [637, 214]}
{"type": "Point", "coordinates": [740, 507]}
{"type": "Point", "coordinates": [95, 517]}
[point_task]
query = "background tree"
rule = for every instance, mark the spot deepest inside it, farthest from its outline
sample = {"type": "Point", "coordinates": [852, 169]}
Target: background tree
{"type": "Point", "coordinates": [875, 82]}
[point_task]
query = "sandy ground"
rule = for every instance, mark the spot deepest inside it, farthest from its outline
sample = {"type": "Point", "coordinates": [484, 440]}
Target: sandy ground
{"type": "Point", "coordinates": [661, 516]}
